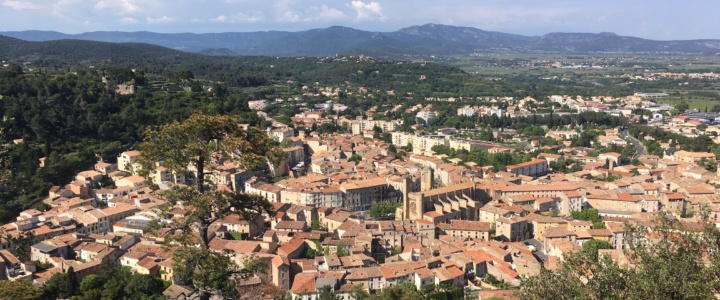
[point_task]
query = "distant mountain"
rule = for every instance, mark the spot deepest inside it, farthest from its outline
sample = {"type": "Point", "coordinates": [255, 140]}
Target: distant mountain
{"type": "Point", "coordinates": [429, 39]}
{"type": "Point", "coordinates": [78, 50]}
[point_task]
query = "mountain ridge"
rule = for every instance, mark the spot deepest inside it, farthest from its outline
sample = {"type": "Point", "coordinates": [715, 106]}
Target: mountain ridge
{"type": "Point", "coordinates": [428, 39]}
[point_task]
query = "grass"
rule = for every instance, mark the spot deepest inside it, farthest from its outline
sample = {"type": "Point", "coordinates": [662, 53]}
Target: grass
{"type": "Point", "coordinates": [694, 104]}
{"type": "Point", "coordinates": [496, 64]}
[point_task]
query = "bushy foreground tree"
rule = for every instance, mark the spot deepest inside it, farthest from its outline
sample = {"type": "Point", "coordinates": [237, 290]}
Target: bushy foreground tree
{"type": "Point", "coordinates": [200, 138]}
{"type": "Point", "coordinates": [198, 141]}
{"type": "Point", "coordinates": [665, 260]}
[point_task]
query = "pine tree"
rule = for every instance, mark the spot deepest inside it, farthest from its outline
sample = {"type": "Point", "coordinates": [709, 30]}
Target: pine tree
{"type": "Point", "coordinates": [69, 286]}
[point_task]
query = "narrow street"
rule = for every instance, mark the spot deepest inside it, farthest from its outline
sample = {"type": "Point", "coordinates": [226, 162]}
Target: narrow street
{"type": "Point", "coordinates": [639, 147]}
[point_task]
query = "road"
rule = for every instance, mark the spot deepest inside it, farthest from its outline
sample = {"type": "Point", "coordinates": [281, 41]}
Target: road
{"type": "Point", "coordinates": [639, 147]}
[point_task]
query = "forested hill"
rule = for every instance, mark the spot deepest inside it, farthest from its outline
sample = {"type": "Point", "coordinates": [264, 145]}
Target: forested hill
{"type": "Point", "coordinates": [78, 51]}
{"type": "Point", "coordinates": [234, 71]}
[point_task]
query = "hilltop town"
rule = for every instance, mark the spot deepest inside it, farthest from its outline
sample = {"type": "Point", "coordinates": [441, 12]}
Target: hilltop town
{"type": "Point", "coordinates": [376, 203]}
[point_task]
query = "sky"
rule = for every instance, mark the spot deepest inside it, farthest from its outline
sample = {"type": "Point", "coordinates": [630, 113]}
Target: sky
{"type": "Point", "coordinates": [653, 19]}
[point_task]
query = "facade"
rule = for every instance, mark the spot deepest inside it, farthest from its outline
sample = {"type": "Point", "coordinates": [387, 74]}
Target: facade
{"type": "Point", "coordinates": [127, 160]}
{"type": "Point", "coordinates": [511, 229]}
{"type": "Point", "coordinates": [361, 194]}
{"type": "Point", "coordinates": [468, 229]}
{"type": "Point", "coordinates": [533, 168]}
{"type": "Point", "coordinates": [359, 126]}
{"type": "Point", "coordinates": [426, 115]}
{"type": "Point", "coordinates": [689, 157]}
{"type": "Point", "coordinates": [451, 200]}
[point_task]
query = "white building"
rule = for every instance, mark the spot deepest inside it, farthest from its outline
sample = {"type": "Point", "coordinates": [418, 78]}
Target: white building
{"type": "Point", "coordinates": [426, 115]}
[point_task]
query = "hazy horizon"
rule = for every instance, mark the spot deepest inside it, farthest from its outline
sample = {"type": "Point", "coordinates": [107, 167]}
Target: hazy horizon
{"type": "Point", "coordinates": [660, 20]}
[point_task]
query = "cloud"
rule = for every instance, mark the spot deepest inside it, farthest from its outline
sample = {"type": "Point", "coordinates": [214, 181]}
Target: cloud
{"type": "Point", "coordinates": [370, 10]}
{"type": "Point", "coordinates": [329, 14]}
{"type": "Point", "coordinates": [125, 6]}
{"type": "Point", "coordinates": [239, 18]}
{"type": "Point", "coordinates": [325, 14]}
{"type": "Point", "coordinates": [65, 7]}
{"type": "Point", "coordinates": [129, 20]}
{"type": "Point", "coordinates": [160, 20]}
{"type": "Point", "coordinates": [220, 18]}
{"type": "Point", "coordinates": [289, 16]}
{"type": "Point", "coordinates": [20, 5]}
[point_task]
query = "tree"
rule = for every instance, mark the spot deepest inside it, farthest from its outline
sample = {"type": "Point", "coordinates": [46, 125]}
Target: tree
{"type": "Point", "coordinates": [392, 148]}
{"type": "Point", "coordinates": [19, 290]}
{"type": "Point", "coordinates": [209, 271]}
{"type": "Point", "coordinates": [408, 147]}
{"type": "Point", "coordinates": [199, 138]}
{"type": "Point", "coordinates": [315, 225]}
{"type": "Point", "coordinates": [197, 141]}
{"type": "Point", "coordinates": [553, 212]}
{"type": "Point", "coordinates": [403, 291]}
{"type": "Point", "coordinates": [342, 250]}
{"type": "Point", "coordinates": [327, 293]}
{"type": "Point", "coordinates": [378, 210]}
{"type": "Point", "coordinates": [565, 282]}
{"type": "Point", "coordinates": [355, 158]}
{"type": "Point", "coordinates": [286, 143]}
{"type": "Point", "coordinates": [654, 274]}
{"type": "Point", "coordinates": [395, 250]}
{"type": "Point", "coordinates": [454, 291]}
{"type": "Point", "coordinates": [682, 106]}
{"type": "Point", "coordinates": [591, 247]}
{"type": "Point", "coordinates": [592, 215]}
{"type": "Point", "coordinates": [20, 243]}
{"type": "Point", "coordinates": [143, 286]}
{"type": "Point", "coordinates": [358, 292]}
{"type": "Point", "coordinates": [91, 287]}
{"type": "Point", "coordinates": [310, 253]}
{"type": "Point", "coordinates": [51, 289]}
{"type": "Point", "coordinates": [70, 285]}
{"type": "Point", "coordinates": [91, 282]}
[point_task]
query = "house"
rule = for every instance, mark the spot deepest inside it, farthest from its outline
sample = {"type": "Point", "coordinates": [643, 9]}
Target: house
{"type": "Point", "coordinates": [303, 287]}
{"type": "Point", "coordinates": [469, 229]}
{"type": "Point", "coordinates": [370, 278]}
{"type": "Point", "coordinates": [106, 195]}
{"type": "Point", "coordinates": [552, 157]}
{"type": "Point", "coordinates": [511, 229]}
{"type": "Point", "coordinates": [687, 156]}
{"type": "Point", "coordinates": [135, 182]}
{"type": "Point", "coordinates": [533, 168]}
{"type": "Point", "coordinates": [175, 291]}
{"type": "Point", "coordinates": [127, 161]}
{"type": "Point", "coordinates": [105, 168]}
{"type": "Point", "coordinates": [236, 223]}
{"type": "Point", "coordinates": [295, 248]}
{"type": "Point", "coordinates": [280, 270]}
{"type": "Point", "coordinates": [611, 158]}
{"type": "Point", "coordinates": [89, 176]}
{"type": "Point", "coordinates": [292, 226]}
{"type": "Point", "coordinates": [13, 268]}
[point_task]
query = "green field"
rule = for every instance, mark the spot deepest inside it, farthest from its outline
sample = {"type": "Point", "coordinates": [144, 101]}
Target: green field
{"type": "Point", "coordinates": [694, 104]}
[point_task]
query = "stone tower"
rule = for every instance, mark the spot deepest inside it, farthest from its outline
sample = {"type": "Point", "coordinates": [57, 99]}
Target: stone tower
{"type": "Point", "coordinates": [426, 179]}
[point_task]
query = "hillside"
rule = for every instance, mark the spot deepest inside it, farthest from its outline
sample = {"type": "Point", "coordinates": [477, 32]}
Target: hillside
{"type": "Point", "coordinates": [79, 50]}
{"type": "Point", "coordinates": [424, 40]}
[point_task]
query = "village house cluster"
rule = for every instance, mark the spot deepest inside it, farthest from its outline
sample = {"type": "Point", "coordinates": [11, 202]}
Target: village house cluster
{"type": "Point", "coordinates": [454, 222]}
